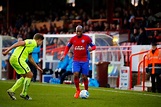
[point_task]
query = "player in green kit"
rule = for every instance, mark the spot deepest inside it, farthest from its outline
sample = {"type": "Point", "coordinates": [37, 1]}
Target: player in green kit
{"type": "Point", "coordinates": [23, 50]}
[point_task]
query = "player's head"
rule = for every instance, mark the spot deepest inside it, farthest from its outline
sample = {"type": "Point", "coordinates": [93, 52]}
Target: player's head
{"type": "Point", "coordinates": [19, 39]}
{"type": "Point", "coordinates": [79, 30]}
{"type": "Point", "coordinates": [154, 45]}
{"type": "Point", "coordinates": [70, 54]}
{"type": "Point", "coordinates": [39, 38]}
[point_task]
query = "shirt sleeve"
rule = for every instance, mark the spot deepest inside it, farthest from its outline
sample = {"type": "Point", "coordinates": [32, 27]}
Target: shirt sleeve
{"type": "Point", "coordinates": [68, 47]}
{"type": "Point", "coordinates": [30, 43]}
{"type": "Point", "coordinates": [70, 43]}
{"type": "Point", "coordinates": [90, 42]}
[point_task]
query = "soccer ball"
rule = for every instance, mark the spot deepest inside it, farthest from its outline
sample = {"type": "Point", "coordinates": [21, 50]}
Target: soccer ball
{"type": "Point", "coordinates": [84, 94]}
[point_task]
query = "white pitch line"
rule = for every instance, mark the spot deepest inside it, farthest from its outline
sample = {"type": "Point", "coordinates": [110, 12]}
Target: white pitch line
{"type": "Point", "coordinates": [100, 89]}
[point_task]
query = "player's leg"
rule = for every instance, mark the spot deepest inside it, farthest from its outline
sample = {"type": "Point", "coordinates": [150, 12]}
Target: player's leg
{"type": "Point", "coordinates": [158, 80]}
{"type": "Point", "coordinates": [85, 70]}
{"type": "Point", "coordinates": [153, 83]}
{"type": "Point", "coordinates": [14, 63]}
{"type": "Point", "coordinates": [27, 79]}
{"type": "Point", "coordinates": [19, 81]}
{"type": "Point", "coordinates": [17, 84]}
{"type": "Point", "coordinates": [26, 85]}
{"type": "Point", "coordinates": [14, 87]}
{"type": "Point", "coordinates": [76, 69]}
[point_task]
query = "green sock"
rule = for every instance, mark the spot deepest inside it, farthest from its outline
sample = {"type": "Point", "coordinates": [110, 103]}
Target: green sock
{"type": "Point", "coordinates": [26, 86]}
{"type": "Point", "coordinates": [17, 84]}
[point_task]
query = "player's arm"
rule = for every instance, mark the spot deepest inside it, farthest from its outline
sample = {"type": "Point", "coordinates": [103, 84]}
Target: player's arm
{"type": "Point", "coordinates": [66, 50]}
{"type": "Point", "coordinates": [19, 43]}
{"type": "Point", "coordinates": [93, 47]}
{"type": "Point", "coordinates": [33, 62]}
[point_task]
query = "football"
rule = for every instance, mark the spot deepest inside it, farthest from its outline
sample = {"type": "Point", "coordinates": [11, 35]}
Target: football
{"type": "Point", "coordinates": [84, 94]}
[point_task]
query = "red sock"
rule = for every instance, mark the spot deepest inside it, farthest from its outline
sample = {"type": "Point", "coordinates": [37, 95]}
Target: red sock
{"type": "Point", "coordinates": [86, 84]}
{"type": "Point", "coordinates": [76, 82]}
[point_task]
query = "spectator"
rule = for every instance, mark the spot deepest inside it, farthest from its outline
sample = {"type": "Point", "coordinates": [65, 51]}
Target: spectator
{"type": "Point", "coordinates": [134, 35]}
{"type": "Point", "coordinates": [61, 68]}
{"type": "Point", "coordinates": [154, 37]}
{"type": "Point", "coordinates": [68, 68]}
{"type": "Point", "coordinates": [153, 67]}
{"type": "Point", "coordinates": [142, 38]}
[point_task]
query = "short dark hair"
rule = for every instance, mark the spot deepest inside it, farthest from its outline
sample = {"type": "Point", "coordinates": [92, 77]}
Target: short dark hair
{"type": "Point", "coordinates": [154, 44]}
{"type": "Point", "coordinates": [71, 52]}
{"type": "Point", "coordinates": [38, 36]}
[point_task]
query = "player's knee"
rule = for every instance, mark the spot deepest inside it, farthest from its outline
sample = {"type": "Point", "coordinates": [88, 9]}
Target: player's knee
{"type": "Point", "coordinates": [84, 77]}
{"type": "Point", "coordinates": [76, 74]}
{"type": "Point", "coordinates": [29, 74]}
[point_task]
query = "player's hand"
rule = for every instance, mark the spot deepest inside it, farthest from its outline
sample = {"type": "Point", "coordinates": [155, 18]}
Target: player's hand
{"type": "Point", "coordinates": [59, 69]}
{"type": "Point", "coordinates": [160, 76]}
{"type": "Point", "coordinates": [5, 53]}
{"type": "Point", "coordinates": [56, 70]}
{"type": "Point", "coordinates": [90, 49]}
{"type": "Point", "coordinates": [62, 58]}
{"type": "Point", "coordinates": [39, 69]}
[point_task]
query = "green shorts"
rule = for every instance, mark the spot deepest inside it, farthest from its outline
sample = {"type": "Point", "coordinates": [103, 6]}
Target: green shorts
{"type": "Point", "coordinates": [20, 66]}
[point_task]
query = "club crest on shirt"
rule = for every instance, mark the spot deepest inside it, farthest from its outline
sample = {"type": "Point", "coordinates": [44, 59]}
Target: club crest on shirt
{"type": "Point", "coordinates": [92, 43]}
{"type": "Point", "coordinates": [83, 41]}
{"type": "Point", "coordinates": [29, 42]}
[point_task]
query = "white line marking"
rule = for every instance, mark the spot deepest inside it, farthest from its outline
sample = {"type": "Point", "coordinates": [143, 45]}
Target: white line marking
{"type": "Point", "coordinates": [100, 89]}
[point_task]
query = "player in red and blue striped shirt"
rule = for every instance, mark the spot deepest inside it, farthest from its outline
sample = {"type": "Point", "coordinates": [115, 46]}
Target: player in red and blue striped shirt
{"type": "Point", "coordinates": [81, 48]}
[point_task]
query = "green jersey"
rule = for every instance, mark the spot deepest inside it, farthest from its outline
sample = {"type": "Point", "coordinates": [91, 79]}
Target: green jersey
{"type": "Point", "coordinates": [22, 52]}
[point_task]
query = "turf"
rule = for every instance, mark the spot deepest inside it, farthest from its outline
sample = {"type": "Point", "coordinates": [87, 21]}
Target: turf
{"type": "Point", "coordinates": [51, 95]}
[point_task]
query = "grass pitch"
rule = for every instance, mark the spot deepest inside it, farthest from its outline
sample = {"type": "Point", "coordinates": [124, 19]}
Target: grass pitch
{"type": "Point", "coordinates": [51, 95]}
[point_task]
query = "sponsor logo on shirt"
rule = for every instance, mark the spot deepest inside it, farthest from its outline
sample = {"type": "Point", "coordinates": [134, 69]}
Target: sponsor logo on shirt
{"type": "Point", "coordinates": [79, 48]}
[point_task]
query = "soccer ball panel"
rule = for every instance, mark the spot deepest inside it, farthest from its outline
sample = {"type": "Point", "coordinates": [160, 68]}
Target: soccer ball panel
{"type": "Point", "coordinates": [84, 94]}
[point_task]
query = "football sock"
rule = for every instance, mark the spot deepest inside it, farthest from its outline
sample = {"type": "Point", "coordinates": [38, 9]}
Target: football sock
{"type": "Point", "coordinates": [76, 82]}
{"type": "Point", "coordinates": [26, 86]}
{"type": "Point", "coordinates": [86, 84]}
{"type": "Point", "coordinates": [17, 84]}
